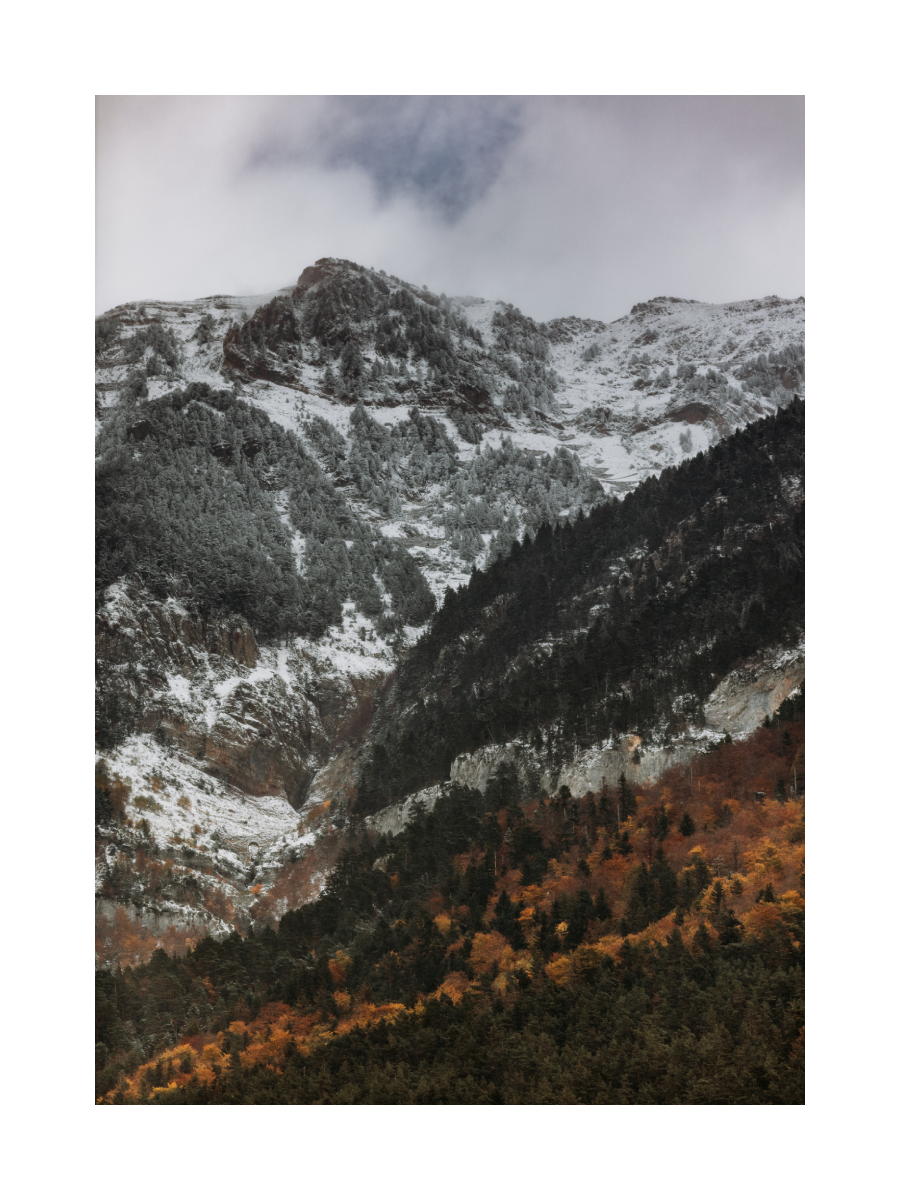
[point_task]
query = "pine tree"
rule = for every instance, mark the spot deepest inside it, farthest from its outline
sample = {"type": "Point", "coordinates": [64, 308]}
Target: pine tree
{"type": "Point", "coordinates": [580, 913]}
{"type": "Point", "coordinates": [664, 886]}
{"type": "Point", "coordinates": [702, 941]}
{"type": "Point", "coordinates": [602, 910]}
{"type": "Point", "coordinates": [626, 806]}
{"type": "Point", "coordinates": [729, 928]}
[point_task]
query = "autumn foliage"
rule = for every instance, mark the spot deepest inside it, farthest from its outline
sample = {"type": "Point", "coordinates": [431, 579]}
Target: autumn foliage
{"type": "Point", "coordinates": [704, 866]}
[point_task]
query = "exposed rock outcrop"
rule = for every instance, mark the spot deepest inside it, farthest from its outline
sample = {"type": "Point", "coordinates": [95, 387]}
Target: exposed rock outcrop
{"type": "Point", "coordinates": [201, 685]}
{"type": "Point", "coordinates": [744, 699]}
{"type": "Point", "coordinates": [395, 817]}
{"type": "Point", "coordinates": [585, 773]}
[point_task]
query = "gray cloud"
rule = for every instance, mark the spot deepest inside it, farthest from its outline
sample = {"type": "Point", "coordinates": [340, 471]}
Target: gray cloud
{"type": "Point", "coordinates": [443, 151]}
{"type": "Point", "coordinates": [559, 204]}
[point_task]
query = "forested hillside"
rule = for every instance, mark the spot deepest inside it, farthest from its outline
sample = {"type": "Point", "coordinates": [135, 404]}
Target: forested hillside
{"type": "Point", "coordinates": [621, 621]}
{"type": "Point", "coordinates": [610, 948]}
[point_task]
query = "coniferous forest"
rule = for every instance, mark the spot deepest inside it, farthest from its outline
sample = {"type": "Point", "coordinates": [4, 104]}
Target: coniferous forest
{"type": "Point", "coordinates": [197, 503]}
{"type": "Point", "coordinates": [691, 573]}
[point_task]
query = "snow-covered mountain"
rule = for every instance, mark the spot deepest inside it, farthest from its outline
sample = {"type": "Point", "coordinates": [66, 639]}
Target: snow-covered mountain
{"type": "Point", "coordinates": [368, 444]}
{"type": "Point", "coordinates": [624, 397]}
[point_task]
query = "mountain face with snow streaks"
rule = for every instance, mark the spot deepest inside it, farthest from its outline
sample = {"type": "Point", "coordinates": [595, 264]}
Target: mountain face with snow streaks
{"type": "Point", "coordinates": [288, 484]}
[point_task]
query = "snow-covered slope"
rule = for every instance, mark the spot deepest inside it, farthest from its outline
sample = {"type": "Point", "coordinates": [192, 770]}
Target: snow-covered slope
{"type": "Point", "coordinates": [598, 390]}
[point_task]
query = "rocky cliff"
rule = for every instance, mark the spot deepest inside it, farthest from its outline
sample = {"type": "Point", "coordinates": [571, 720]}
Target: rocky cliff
{"type": "Point", "coordinates": [209, 747]}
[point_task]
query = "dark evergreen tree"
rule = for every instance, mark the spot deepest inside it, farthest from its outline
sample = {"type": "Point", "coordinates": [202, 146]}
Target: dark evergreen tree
{"type": "Point", "coordinates": [686, 825]}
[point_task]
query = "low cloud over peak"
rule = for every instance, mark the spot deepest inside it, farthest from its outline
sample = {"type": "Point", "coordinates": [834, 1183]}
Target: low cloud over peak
{"type": "Point", "coordinates": [561, 205]}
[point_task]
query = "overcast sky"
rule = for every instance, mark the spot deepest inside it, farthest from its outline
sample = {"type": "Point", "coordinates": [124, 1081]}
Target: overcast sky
{"type": "Point", "coordinates": [561, 205]}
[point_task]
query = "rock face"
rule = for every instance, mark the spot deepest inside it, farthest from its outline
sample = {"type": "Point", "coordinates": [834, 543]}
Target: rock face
{"type": "Point", "coordinates": [738, 706]}
{"type": "Point", "coordinates": [263, 721]}
{"type": "Point", "coordinates": [584, 774]}
{"type": "Point", "coordinates": [210, 744]}
{"type": "Point", "coordinates": [202, 686]}
{"type": "Point", "coordinates": [334, 784]}
{"type": "Point", "coordinates": [159, 920]}
{"type": "Point", "coordinates": [744, 699]}
{"type": "Point", "coordinates": [395, 817]}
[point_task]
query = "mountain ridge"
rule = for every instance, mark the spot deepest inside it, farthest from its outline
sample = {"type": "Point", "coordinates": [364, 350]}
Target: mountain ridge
{"type": "Point", "coordinates": [373, 443]}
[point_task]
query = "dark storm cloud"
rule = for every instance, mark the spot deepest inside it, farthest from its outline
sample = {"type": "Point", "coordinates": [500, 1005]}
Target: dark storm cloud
{"type": "Point", "coordinates": [444, 151]}
{"type": "Point", "coordinates": [562, 205]}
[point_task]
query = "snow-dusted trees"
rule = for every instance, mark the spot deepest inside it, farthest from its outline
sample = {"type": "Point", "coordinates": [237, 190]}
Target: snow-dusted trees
{"type": "Point", "coordinates": [327, 441]}
{"type": "Point", "coordinates": [467, 543]}
{"type": "Point", "coordinates": [533, 393]}
{"type": "Point", "coordinates": [134, 387]}
{"type": "Point", "coordinates": [386, 461]}
{"type": "Point", "coordinates": [195, 505]}
{"type": "Point", "coordinates": [340, 301]}
{"type": "Point", "coordinates": [781, 370]}
{"type": "Point", "coordinates": [504, 539]}
{"type": "Point", "coordinates": [105, 329]}
{"type": "Point", "coordinates": [412, 599]}
{"type": "Point", "coordinates": [353, 365]}
{"type": "Point", "coordinates": [487, 494]}
{"type": "Point", "coordinates": [157, 337]}
{"type": "Point", "coordinates": [411, 455]}
{"type": "Point", "coordinates": [515, 332]}
{"type": "Point", "coordinates": [205, 330]}
{"type": "Point", "coordinates": [469, 427]}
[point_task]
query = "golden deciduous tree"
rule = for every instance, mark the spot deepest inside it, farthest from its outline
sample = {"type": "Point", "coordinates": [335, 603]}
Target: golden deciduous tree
{"type": "Point", "coordinates": [764, 858]}
{"type": "Point", "coordinates": [338, 967]}
{"type": "Point", "coordinates": [455, 985]}
{"type": "Point", "coordinates": [762, 918]}
{"type": "Point", "coordinates": [489, 950]}
{"type": "Point", "coordinates": [212, 1056]}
